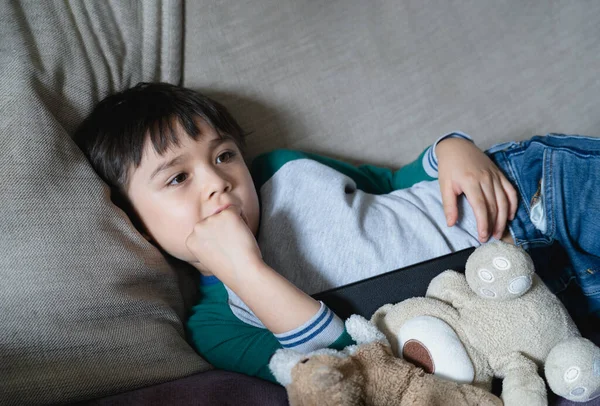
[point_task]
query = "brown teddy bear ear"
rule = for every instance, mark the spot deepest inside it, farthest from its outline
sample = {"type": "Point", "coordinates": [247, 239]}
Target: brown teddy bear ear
{"type": "Point", "coordinates": [325, 376]}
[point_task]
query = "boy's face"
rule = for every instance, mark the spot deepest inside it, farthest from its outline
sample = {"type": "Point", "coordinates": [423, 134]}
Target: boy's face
{"type": "Point", "coordinates": [173, 192]}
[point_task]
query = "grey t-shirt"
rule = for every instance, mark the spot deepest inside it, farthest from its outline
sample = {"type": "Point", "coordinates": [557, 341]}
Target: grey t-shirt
{"type": "Point", "coordinates": [320, 232]}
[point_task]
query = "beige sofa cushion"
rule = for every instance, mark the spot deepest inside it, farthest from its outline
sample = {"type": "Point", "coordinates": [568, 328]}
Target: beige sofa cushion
{"type": "Point", "coordinates": [87, 306]}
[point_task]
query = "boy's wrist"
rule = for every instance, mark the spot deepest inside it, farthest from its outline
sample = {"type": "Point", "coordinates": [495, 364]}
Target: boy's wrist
{"type": "Point", "coordinates": [242, 274]}
{"type": "Point", "coordinates": [277, 302]}
{"type": "Point", "coordinates": [450, 144]}
{"type": "Point", "coordinates": [254, 266]}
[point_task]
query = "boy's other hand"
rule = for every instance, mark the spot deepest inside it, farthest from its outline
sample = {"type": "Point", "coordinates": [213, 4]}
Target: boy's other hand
{"type": "Point", "coordinates": [464, 168]}
{"type": "Point", "coordinates": [224, 245]}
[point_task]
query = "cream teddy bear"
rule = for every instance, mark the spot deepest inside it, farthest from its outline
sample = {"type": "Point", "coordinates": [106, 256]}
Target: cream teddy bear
{"type": "Point", "coordinates": [496, 320]}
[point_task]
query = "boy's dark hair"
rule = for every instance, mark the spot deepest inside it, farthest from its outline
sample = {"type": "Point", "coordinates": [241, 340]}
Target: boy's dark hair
{"type": "Point", "coordinates": [113, 135]}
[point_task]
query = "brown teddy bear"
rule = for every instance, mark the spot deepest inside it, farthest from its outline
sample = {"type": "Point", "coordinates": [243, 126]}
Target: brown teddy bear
{"type": "Point", "coordinates": [367, 374]}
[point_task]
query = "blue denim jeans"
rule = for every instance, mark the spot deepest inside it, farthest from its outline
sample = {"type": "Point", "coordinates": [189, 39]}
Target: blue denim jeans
{"type": "Point", "coordinates": [557, 178]}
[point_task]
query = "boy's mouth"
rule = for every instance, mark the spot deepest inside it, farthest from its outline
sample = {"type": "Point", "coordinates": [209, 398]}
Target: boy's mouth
{"type": "Point", "coordinates": [220, 209]}
{"type": "Point", "coordinates": [242, 215]}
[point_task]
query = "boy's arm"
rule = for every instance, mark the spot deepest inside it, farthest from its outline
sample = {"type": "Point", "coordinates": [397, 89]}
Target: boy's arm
{"type": "Point", "coordinates": [231, 344]}
{"type": "Point", "coordinates": [296, 320]}
{"type": "Point", "coordinates": [224, 246]}
{"type": "Point", "coordinates": [369, 178]}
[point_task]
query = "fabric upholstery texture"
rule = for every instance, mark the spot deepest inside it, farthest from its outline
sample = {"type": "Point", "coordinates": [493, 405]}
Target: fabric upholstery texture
{"type": "Point", "coordinates": [377, 81]}
{"type": "Point", "coordinates": [211, 388]}
{"type": "Point", "coordinates": [87, 306]}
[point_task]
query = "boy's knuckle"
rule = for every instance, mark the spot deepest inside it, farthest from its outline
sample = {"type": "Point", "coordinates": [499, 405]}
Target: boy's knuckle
{"type": "Point", "coordinates": [471, 177]}
{"type": "Point", "coordinates": [479, 201]}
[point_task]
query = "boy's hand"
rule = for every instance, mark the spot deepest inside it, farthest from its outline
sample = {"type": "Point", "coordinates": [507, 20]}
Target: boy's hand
{"type": "Point", "coordinates": [464, 168]}
{"type": "Point", "coordinates": [224, 245]}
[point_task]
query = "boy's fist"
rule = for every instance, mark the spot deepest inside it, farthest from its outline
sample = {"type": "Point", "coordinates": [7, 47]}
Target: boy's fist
{"type": "Point", "coordinates": [223, 244]}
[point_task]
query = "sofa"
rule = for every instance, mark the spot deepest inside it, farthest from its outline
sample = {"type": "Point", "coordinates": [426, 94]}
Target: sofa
{"type": "Point", "coordinates": [90, 312]}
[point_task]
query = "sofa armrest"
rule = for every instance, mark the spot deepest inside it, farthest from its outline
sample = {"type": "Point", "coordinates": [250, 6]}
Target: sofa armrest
{"type": "Point", "coordinates": [215, 387]}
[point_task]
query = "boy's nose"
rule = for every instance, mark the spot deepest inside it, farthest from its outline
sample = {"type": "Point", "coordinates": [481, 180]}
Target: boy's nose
{"type": "Point", "coordinates": [215, 184]}
{"type": "Point", "coordinates": [217, 191]}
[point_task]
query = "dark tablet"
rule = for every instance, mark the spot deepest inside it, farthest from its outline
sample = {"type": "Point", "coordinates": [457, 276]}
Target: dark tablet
{"type": "Point", "coordinates": [368, 295]}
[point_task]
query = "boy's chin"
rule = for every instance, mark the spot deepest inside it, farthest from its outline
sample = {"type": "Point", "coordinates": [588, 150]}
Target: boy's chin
{"type": "Point", "coordinates": [190, 260]}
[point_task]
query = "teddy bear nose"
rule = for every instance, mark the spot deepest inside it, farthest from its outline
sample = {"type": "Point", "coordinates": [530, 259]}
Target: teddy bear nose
{"type": "Point", "coordinates": [414, 351]}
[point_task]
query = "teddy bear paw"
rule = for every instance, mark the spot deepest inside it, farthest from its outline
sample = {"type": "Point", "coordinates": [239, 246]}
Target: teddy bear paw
{"type": "Point", "coordinates": [573, 369]}
{"type": "Point", "coordinates": [520, 397]}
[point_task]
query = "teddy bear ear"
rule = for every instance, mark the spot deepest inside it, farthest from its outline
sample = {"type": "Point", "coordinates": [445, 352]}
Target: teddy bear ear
{"type": "Point", "coordinates": [281, 365]}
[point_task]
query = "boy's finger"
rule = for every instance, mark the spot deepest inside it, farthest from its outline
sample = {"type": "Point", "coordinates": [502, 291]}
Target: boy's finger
{"type": "Point", "coordinates": [479, 205]}
{"type": "Point", "coordinates": [492, 207]}
{"type": "Point", "coordinates": [511, 193]}
{"type": "Point", "coordinates": [450, 203]}
{"type": "Point", "coordinates": [503, 210]}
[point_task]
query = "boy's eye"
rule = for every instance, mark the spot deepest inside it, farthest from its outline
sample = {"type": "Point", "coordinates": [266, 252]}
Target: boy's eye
{"type": "Point", "coordinates": [227, 154]}
{"type": "Point", "coordinates": [178, 179]}
{"type": "Point", "coordinates": [182, 177]}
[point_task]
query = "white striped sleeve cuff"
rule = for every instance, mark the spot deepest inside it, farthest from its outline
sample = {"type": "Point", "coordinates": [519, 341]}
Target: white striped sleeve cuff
{"type": "Point", "coordinates": [322, 330]}
{"type": "Point", "coordinates": [430, 161]}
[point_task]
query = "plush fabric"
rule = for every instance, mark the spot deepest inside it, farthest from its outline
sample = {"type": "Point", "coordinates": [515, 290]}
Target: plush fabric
{"type": "Point", "coordinates": [87, 306]}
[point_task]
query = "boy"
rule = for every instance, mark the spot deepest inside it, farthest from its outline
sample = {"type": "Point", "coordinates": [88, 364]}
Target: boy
{"type": "Point", "coordinates": [174, 159]}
